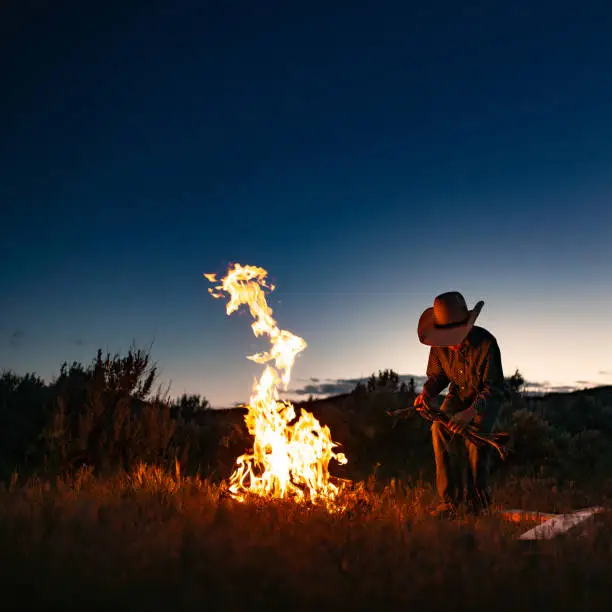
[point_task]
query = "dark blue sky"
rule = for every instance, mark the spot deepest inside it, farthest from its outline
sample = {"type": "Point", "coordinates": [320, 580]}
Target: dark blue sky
{"type": "Point", "coordinates": [368, 154]}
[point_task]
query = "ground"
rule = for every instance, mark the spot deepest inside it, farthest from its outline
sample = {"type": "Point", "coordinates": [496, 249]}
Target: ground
{"type": "Point", "coordinates": [152, 541]}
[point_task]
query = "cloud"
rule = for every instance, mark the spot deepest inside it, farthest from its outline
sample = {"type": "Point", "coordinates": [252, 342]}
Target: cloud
{"type": "Point", "coordinates": [337, 386]}
{"type": "Point", "coordinates": [537, 388]}
{"type": "Point", "coordinates": [16, 338]}
{"type": "Point", "coordinates": [537, 385]}
{"type": "Point", "coordinates": [326, 387]}
{"type": "Point", "coordinates": [562, 389]}
{"type": "Point", "coordinates": [605, 372]}
{"type": "Point", "coordinates": [79, 342]}
{"type": "Point", "coordinates": [321, 387]}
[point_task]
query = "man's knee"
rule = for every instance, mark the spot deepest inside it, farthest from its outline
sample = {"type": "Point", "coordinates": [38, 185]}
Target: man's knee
{"type": "Point", "coordinates": [439, 434]}
{"type": "Point", "coordinates": [437, 429]}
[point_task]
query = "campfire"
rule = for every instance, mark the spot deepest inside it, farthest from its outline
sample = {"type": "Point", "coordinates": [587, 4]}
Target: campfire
{"type": "Point", "coordinates": [290, 458]}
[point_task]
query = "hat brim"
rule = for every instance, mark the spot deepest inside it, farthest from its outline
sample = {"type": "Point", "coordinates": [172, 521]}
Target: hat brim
{"type": "Point", "coordinates": [431, 335]}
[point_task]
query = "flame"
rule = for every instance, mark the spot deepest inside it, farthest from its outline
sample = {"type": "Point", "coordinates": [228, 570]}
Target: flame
{"type": "Point", "coordinates": [288, 459]}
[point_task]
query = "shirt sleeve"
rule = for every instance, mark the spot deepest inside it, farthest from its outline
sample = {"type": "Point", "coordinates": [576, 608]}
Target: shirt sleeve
{"type": "Point", "coordinates": [437, 379]}
{"type": "Point", "coordinates": [493, 383]}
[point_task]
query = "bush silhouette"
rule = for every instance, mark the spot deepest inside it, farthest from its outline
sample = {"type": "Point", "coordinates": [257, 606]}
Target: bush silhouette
{"type": "Point", "coordinates": [111, 415]}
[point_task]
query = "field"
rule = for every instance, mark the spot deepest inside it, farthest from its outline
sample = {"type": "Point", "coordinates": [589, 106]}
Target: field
{"type": "Point", "coordinates": [148, 524]}
{"type": "Point", "coordinates": [153, 540]}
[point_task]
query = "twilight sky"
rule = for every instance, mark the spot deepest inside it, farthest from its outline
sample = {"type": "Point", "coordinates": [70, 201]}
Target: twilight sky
{"type": "Point", "coordinates": [369, 155]}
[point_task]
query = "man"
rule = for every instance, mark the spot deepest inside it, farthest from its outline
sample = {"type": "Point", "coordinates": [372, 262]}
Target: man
{"type": "Point", "coordinates": [467, 359]}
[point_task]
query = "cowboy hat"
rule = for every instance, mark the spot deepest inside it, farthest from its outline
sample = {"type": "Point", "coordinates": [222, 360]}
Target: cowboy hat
{"type": "Point", "coordinates": [449, 321]}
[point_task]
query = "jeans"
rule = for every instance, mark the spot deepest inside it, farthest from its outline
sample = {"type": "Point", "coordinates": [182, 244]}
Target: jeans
{"type": "Point", "coordinates": [457, 457]}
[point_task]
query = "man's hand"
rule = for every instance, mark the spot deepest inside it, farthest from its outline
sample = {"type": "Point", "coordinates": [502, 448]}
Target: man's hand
{"type": "Point", "coordinates": [422, 407]}
{"type": "Point", "coordinates": [419, 401]}
{"type": "Point", "coordinates": [421, 404]}
{"type": "Point", "coordinates": [459, 422]}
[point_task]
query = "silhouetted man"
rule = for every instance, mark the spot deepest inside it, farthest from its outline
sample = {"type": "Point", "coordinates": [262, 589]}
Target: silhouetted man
{"type": "Point", "coordinates": [467, 359]}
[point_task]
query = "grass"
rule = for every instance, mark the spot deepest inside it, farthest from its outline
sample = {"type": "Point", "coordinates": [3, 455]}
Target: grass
{"type": "Point", "coordinates": [149, 540]}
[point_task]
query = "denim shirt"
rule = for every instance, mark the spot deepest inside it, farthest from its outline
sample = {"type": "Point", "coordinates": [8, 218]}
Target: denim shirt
{"type": "Point", "coordinates": [473, 373]}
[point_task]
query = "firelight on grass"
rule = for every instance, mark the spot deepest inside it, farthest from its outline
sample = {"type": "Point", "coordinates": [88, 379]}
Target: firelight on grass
{"type": "Point", "coordinates": [290, 458]}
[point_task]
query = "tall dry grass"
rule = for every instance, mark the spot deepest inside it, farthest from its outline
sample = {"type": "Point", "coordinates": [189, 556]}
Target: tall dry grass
{"type": "Point", "coordinates": [149, 540]}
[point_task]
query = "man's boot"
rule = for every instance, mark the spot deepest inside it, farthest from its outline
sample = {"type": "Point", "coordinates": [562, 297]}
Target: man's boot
{"type": "Point", "coordinates": [444, 510]}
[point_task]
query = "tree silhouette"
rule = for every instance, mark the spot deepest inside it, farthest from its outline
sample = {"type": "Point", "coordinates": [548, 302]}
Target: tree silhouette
{"type": "Point", "coordinates": [385, 379]}
{"type": "Point", "coordinates": [516, 382]}
{"type": "Point", "coordinates": [189, 406]}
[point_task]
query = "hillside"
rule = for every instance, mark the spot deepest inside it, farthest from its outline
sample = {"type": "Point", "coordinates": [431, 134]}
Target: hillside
{"type": "Point", "coordinates": [107, 416]}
